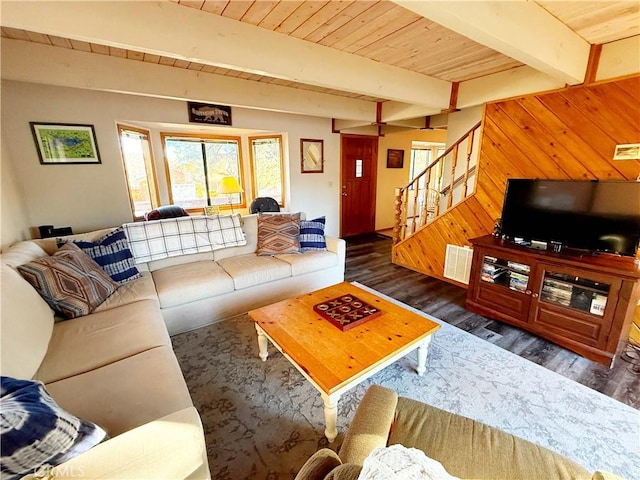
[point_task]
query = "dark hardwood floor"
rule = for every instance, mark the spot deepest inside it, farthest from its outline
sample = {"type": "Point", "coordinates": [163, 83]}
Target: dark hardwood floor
{"type": "Point", "coordinates": [369, 262]}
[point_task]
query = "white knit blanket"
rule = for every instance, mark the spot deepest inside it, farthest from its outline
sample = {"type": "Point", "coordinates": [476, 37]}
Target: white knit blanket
{"type": "Point", "coordinates": [170, 237]}
{"type": "Point", "coordinates": [400, 463]}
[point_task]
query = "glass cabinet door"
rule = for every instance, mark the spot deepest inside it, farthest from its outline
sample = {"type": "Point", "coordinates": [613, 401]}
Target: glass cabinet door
{"type": "Point", "coordinates": [575, 292]}
{"type": "Point", "coordinates": [507, 273]}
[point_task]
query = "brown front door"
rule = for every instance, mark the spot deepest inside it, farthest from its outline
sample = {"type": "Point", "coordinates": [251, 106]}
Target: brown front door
{"type": "Point", "coordinates": [359, 167]}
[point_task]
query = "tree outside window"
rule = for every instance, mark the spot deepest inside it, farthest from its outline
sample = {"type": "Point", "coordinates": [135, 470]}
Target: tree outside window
{"type": "Point", "coordinates": [195, 166]}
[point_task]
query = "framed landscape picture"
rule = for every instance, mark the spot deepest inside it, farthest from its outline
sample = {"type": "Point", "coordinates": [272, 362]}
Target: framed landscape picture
{"type": "Point", "coordinates": [65, 143]}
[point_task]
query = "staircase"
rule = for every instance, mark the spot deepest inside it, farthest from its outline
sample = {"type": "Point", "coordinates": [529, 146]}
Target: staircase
{"type": "Point", "coordinates": [438, 210]}
{"type": "Point", "coordinates": [542, 135]}
{"type": "Point", "coordinates": [442, 185]}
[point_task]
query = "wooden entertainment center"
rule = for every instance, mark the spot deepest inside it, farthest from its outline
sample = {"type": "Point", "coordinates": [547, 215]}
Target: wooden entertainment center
{"type": "Point", "coordinates": [583, 302]}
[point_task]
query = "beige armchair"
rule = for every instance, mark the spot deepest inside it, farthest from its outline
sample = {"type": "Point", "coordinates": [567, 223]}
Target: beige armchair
{"type": "Point", "coordinates": [466, 448]}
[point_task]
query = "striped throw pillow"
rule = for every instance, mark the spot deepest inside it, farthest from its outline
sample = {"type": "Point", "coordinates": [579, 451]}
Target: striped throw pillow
{"type": "Point", "coordinates": [112, 253]}
{"type": "Point", "coordinates": [312, 235]}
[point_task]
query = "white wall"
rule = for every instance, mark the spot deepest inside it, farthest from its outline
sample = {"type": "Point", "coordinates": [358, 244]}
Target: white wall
{"type": "Point", "coordinates": [460, 123]}
{"type": "Point", "coordinates": [88, 197]}
{"type": "Point", "coordinates": [390, 178]}
{"type": "Point", "coordinates": [14, 223]}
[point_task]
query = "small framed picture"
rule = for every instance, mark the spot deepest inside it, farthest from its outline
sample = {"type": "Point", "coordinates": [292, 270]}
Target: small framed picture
{"type": "Point", "coordinates": [209, 113]}
{"type": "Point", "coordinates": [395, 158]}
{"type": "Point", "coordinates": [311, 155]}
{"type": "Point", "coordinates": [627, 151]}
{"type": "Point", "coordinates": [65, 143]}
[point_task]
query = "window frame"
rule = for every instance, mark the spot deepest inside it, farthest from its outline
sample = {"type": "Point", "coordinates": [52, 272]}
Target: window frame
{"type": "Point", "coordinates": [254, 187]}
{"type": "Point", "coordinates": [203, 136]}
{"type": "Point", "coordinates": [434, 148]}
{"type": "Point", "coordinates": [149, 164]}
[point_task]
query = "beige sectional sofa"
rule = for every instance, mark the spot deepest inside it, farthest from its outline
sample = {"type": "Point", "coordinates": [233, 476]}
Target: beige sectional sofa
{"type": "Point", "coordinates": [116, 367]}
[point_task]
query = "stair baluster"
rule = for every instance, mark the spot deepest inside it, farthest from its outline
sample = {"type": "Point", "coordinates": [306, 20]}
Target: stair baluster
{"type": "Point", "coordinates": [426, 201]}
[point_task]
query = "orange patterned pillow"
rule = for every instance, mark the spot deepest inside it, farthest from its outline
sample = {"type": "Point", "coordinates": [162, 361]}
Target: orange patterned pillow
{"type": "Point", "coordinates": [278, 233]}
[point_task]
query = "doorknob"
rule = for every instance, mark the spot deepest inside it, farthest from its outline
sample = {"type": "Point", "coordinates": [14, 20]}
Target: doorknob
{"type": "Point", "coordinates": [344, 194]}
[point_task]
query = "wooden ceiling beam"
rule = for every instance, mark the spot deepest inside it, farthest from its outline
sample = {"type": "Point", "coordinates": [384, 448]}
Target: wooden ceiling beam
{"type": "Point", "coordinates": [395, 111]}
{"type": "Point", "coordinates": [38, 63]}
{"type": "Point", "coordinates": [517, 81]}
{"type": "Point", "coordinates": [522, 30]}
{"type": "Point", "coordinates": [170, 30]}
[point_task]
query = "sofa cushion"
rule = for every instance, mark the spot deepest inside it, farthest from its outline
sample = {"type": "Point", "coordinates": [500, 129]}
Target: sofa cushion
{"type": "Point", "coordinates": [36, 431]}
{"type": "Point", "coordinates": [96, 340]}
{"type": "Point", "coordinates": [112, 253]}
{"type": "Point", "coordinates": [26, 327]}
{"type": "Point", "coordinates": [69, 281]}
{"type": "Point", "coordinates": [169, 448]}
{"type": "Point", "coordinates": [278, 233]}
{"type": "Point", "coordinates": [470, 449]}
{"type": "Point", "coordinates": [311, 261]}
{"type": "Point", "coordinates": [145, 386]}
{"type": "Point", "coordinates": [141, 288]}
{"type": "Point", "coordinates": [250, 229]}
{"type": "Point", "coordinates": [190, 282]}
{"type": "Point", "coordinates": [249, 270]}
{"type": "Point", "coordinates": [179, 260]}
{"type": "Point", "coordinates": [312, 235]}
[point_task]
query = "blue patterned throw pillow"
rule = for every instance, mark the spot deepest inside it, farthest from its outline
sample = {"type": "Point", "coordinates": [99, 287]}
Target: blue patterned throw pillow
{"type": "Point", "coordinates": [312, 235]}
{"type": "Point", "coordinates": [112, 253]}
{"type": "Point", "coordinates": [36, 432]}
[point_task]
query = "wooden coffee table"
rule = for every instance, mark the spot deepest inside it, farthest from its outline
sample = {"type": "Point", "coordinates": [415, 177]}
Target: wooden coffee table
{"type": "Point", "coordinates": [333, 360]}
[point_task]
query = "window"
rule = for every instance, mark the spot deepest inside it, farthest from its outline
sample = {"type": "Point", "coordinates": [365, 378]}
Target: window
{"type": "Point", "coordinates": [422, 154]}
{"type": "Point", "coordinates": [195, 166]}
{"type": "Point", "coordinates": [420, 158]}
{"type": "Point", "coordinates": [138, 169]}
{"type": "Point", "coordinates": [267, 168]}
{"type": "Point", "coordinates": [359, 169]}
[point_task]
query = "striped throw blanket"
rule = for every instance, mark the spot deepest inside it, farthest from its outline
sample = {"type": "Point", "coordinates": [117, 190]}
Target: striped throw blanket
{"type": "Point", "coordinates": [171, 237]}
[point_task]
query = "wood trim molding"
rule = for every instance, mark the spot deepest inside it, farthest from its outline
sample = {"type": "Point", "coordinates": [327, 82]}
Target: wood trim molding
{"type": "Point", "coordinates": [592, 64]}
{"type": "Point", "coordinates": [453, 98]}
{"type": "Point", "coordinates": [379, 113]}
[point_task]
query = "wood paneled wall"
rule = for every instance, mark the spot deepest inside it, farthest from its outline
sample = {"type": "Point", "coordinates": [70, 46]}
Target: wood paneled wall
{"type": "Point", "coordinates": [565, 134]}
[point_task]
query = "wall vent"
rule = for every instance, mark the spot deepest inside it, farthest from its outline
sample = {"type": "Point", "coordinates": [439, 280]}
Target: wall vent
{"type": "Point", "coordinates": [457, 263]}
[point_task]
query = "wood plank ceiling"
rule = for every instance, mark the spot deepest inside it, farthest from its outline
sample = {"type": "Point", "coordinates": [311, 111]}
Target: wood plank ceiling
{"type": "Point", "coordinates": [375, 29]}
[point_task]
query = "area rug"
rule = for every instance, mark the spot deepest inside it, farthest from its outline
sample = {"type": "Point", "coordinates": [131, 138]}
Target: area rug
{"type": "Point", "coordinates": [263, 419]}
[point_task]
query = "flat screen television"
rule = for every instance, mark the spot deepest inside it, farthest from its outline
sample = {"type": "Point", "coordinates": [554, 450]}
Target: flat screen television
{"type": "Point", "coordinates": [598, 216]}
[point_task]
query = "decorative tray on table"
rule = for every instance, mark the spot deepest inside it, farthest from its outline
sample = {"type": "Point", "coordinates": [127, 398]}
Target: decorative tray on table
{"type": "Point", "coordinates": [346, 311]}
